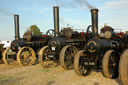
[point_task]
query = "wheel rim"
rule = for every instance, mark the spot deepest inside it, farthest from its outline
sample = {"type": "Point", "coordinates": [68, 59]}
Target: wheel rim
{"type": "Point", "coordinates": [113, 66]}
{"type": "Point", "coordinates": [44, 60]}
{"type": "Point", "coordinates": [110, 64]}
{"type": "Point", "coordinates": [123, 68]}
{"type": "Point", "coordinates": [79, 66]}
{"type": "Point", "coordinates": [26, 56]}
{"type": "Point", "coordinates": [67, 56]}
{"type": "Point", "coordinates": [9, 57]}
{"type": "Point", "coordinates": [83, 70]}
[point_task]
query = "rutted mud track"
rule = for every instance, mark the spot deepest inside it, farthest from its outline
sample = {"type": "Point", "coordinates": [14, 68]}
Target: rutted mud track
{"type": "Point", "coordinates": [36, 75]}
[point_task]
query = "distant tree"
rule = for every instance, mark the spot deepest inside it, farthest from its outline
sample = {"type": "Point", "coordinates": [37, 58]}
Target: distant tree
{"type": "Point", "coordinates": [34, 29]}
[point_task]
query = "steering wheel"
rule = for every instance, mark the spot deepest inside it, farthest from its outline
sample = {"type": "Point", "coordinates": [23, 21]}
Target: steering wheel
{"type": "Point", "coordinates": [50, 33]}
{"type": "Point", "coordinates": [89, 34]}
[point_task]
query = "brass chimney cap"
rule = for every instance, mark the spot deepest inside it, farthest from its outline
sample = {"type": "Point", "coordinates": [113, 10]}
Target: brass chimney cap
{"type": "Point", "coordinates": [94, 10]}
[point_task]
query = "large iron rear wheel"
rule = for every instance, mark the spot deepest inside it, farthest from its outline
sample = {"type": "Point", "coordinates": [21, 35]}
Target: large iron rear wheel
{"type": "Point", "coordinates": [26, 56]}
{"type": "Point", "coordinates": [123, 68]}
{"type": "Point", "coordinates": [44, 61]}
{"type": "Point", "coordinates": [9, 57]}
{"type": "Point", "coordinates": [67, 56]}
{"type": "Point", "coordinates": [110, 65]}
{"type": "Point", "coordinates": [79, 64]}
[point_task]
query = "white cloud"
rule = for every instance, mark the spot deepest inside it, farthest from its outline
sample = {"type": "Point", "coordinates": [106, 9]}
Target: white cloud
{"type": "Point", "coordinates": [117, 4]}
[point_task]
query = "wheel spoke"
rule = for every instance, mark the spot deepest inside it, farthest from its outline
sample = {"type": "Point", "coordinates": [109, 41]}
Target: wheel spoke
{"type": "Point", "coordinates": [50, 33]}
{"type": "Point", "coordinates": [26, 56]}
{"type": "Point", "coordinates": [9, 56]}
{"type": "Point", "coordinates": [67, 56]}
{"type": "Point", "coordinates": [80, 68]}
{"type": "Point", "coordinates": [44, 60]}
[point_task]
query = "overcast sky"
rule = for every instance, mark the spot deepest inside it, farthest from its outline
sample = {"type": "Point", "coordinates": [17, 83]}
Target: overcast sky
{"type": "Point", "coordinates": [76, 13]}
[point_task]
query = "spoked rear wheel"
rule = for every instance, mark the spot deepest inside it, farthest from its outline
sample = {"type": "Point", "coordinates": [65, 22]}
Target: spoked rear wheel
{"type": "Point", "coordinates": [26, 56]}
{"type": "Point", "coordinates": [110, 64]}
{"type": "Point", "coordinates": [67, 56]}
{"type": "Point", "coordinates": [44, 60]}
{"type": "Point", "coordinates": [123, 68]}
{"type": "Point", "coordinates": [79, 64]}
{"type": "Point", "coordinates": [9, 56]}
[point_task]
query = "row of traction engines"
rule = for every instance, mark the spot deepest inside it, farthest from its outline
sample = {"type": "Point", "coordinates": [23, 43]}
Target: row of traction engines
{"type": "Point", "coordinates": [84, 51]}
{"type": "Point", "coordinates": [24, 51]}
{"type": "Point", "coordinates": [106, 51]}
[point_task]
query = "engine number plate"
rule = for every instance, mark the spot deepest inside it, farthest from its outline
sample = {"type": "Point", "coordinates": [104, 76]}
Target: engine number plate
{"type": "Point", "coordinates": [50, 56]}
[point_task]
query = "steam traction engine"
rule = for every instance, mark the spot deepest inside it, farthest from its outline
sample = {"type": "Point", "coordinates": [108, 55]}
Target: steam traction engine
{"type": "Point", "coordinates": [24, 49]}
{"type": "Point", "coordinates": [66, 42]}
{"type": "Point", "coordinates": [103, 51]}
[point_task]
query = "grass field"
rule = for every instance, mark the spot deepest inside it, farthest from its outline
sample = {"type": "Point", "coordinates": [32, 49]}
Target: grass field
{"type": "Point", "coordinates": [36, 75]}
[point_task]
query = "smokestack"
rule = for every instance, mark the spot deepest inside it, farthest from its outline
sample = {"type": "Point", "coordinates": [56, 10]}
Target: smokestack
{"type": "Point", "coordinates": [94, 14]}
{"type": "Point", "coordinates": [56, 20]}
{"type": "Point", "coordinates": [16, 21]}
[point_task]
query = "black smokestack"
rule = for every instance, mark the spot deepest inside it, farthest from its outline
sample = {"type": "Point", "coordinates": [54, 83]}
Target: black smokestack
{"type": "Point", "coordinates": [94, 14]}
{"type": "Point", "coordinates": [56, 20]}
{"type": "Point", "coordinates": [16, 21]}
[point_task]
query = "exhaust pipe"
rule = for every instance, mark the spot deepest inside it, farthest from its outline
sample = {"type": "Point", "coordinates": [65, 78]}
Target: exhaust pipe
{"type": "Point", "coordinates": [94, 14]}
{"type": "Point", "coordinates": [16, 21]}
{"type": "Point", "coordinates": [56, 20]}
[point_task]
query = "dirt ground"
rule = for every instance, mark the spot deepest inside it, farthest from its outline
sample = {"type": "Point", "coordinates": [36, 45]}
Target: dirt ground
{"type": "Point", "coordinates": [36, 75]}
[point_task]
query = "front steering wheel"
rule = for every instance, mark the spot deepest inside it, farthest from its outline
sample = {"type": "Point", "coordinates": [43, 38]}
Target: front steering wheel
{"type": "Point", "coordinates": [50, 33]}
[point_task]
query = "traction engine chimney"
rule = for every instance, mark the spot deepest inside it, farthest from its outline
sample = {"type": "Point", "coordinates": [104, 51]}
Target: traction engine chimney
{"type": "Point", "coordinates": [56, 20]}
{"type": "Point", "coordinates": [94, 15]}
{"type": "Point", "coordinates": [16, 22]}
